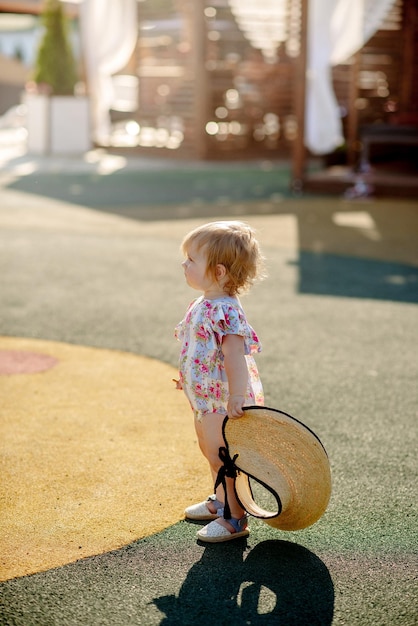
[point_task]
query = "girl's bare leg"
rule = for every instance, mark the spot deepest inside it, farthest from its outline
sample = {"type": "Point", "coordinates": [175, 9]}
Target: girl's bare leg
{"type": "Point", "coordinates": [209, 433]}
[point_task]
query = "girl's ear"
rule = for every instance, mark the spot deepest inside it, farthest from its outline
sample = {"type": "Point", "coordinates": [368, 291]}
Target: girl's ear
{"type": "Point", "coordinates": [220, 271]}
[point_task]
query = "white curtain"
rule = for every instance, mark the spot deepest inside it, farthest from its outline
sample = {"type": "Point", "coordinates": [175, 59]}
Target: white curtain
{"type": "Point", "coordinates": [109, 34]}
{"type": "Point", "coordinates": [336, 30]}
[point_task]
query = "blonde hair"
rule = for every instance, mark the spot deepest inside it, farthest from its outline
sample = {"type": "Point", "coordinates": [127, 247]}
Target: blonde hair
{"type": "Point", "coordinates": [233, 245]}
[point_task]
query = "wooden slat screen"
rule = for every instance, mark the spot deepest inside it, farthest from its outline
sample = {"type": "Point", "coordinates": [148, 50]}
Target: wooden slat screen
{"type": "Point", "coordinates": [249, 102]}
{"type": "Point", "coordinates": [237, 103]}
{"type": "Point", "coordinates": [386, 75]}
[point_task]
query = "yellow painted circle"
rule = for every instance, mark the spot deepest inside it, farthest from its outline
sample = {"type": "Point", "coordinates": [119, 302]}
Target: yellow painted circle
{"type": "Point", "coordinates": [97, 451]}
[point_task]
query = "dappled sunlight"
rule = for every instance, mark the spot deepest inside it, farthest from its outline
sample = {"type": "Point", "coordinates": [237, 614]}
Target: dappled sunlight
{"type": "Point", "coordinates": [167, 133]}
{"type": "Point", "coordinates": [361, 220]}
{"type": "Point", "coordinates": [106, 163]}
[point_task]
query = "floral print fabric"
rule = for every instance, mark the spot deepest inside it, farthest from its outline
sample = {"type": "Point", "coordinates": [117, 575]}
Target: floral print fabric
{"type": "Point", "coordinates": [201, 363]}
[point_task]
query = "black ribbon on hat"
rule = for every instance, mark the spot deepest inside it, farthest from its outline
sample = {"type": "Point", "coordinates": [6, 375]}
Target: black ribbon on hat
{"type": "Point", "coordinates": [227, 470]}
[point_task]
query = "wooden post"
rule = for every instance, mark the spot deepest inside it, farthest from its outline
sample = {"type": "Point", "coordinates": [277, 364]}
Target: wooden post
{"type": "Point", "coordinates": [352, 121]}
{"type": "Point", "coordinates": [299, 151]}
{"type": "Point", "coordinates": [409, 27]}
{"type": "Point", "coordinates": [200, 77]}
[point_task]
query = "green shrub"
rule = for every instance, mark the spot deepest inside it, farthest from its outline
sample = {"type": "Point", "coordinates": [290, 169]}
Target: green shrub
{"type": "Point", "coordinates": [55, 68]}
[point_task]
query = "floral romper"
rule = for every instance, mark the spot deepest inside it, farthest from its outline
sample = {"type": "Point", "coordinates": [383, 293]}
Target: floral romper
{"type": "Point", "coordinates": [201, 365]}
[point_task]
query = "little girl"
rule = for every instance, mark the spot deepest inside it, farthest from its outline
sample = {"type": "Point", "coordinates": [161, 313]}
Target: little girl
{"type": "Point", "coordinates": [217, 372]}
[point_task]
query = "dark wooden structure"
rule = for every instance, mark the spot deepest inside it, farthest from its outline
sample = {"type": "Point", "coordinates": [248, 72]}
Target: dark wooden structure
{"type": "Point", "coordinates": [200, 74]}
{"type": "Point", "coordinates": [378, 89]}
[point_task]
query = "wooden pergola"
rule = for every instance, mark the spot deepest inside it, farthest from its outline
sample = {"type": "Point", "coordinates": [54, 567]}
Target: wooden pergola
{"type": "Point", "coordinates": [374, 116]}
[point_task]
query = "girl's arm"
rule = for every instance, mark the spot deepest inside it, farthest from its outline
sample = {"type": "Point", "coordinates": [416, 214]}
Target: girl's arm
{"type": "Point", "coordinates": [236, 372]}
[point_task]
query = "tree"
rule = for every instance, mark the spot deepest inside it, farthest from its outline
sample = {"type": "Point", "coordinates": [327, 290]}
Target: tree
{"type": "Point", "coordinates": [55, 67]}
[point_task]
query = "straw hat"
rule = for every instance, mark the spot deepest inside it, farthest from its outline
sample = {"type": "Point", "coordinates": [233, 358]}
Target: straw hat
{"type": "Point", "coordinates": [284, 456]}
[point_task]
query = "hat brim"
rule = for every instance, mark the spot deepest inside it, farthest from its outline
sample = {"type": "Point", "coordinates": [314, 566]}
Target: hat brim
{"type": "Point", "coordinates": [287, 458]}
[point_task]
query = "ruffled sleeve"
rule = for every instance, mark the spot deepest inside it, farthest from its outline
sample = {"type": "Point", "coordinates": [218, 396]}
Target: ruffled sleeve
{"type": "Point", "coordinates": [179, 330]}
{"type": "Point", "coordinates": [226, 318]}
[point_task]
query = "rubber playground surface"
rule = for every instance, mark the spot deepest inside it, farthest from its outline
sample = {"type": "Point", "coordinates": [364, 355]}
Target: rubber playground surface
{"type": "Point", "coordinates": [98, 453]}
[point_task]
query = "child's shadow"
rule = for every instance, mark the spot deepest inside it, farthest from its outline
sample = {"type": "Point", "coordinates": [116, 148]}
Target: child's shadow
{"type": "Point", "coordinates": [278, 583]}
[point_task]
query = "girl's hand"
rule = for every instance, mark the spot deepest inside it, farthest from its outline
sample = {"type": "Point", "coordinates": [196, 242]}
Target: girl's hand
{"type": "Point", "coordinates": [234, 406]}
{"type": "Point", "coordinates": [178, 383]}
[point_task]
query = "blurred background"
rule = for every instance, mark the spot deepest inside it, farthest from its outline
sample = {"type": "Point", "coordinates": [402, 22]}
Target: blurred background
{"type": "Point", "coordinates": [331, 87]}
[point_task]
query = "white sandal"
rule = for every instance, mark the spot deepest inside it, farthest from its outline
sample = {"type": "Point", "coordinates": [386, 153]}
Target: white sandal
{"type": "Point", "coordinates": [201, 511]}
{"type": "Point", "coordinates": [216, 533]}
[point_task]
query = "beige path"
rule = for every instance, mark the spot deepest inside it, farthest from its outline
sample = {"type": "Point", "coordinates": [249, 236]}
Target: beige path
{"type": "Point", "coordinates": [97, 451]}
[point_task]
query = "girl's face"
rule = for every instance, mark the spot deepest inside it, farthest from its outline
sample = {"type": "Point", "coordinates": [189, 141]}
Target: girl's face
{"type": "Point", "coordinates": [195, 270]}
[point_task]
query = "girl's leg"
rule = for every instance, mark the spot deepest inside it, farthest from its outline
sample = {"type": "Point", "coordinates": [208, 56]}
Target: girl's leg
{"type": "Point", "coordinates": [209, 432]}
{"type": "Point", "coordinates": [200, 432]}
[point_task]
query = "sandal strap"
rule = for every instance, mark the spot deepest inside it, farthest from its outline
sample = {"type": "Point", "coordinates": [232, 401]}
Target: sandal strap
{"type": "Point", "coordinates": [217, 503]}
{"type": "Point", "coordinates": [238, 523]}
